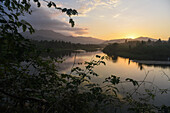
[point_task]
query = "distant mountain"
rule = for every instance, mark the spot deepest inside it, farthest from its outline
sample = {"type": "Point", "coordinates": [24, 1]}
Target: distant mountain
{"type": "Point", "coordinates": [123, 40]}
{"type": "Point", "coordinates": [145, 39]}
{"type": "Point", "coordinates": [51, 35]}
{"type": "Point", "coordinates": [117, 41]}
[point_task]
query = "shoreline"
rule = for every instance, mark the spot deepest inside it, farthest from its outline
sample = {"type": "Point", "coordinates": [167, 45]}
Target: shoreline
{"type": "Point", "coordinates": [152, 62]}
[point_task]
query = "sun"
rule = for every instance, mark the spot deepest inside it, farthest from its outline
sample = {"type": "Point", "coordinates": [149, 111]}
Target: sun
{"type": "Point", "coordinates": [131, 37]}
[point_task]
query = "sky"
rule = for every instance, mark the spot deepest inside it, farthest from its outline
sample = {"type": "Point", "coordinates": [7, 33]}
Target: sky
{"type": "Point", "coordinates": [107, 19]}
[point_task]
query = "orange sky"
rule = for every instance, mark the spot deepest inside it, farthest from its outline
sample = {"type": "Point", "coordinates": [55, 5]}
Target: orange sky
{"type": "Point", "coordinates": [115, 19]}
{"type": "Point", "coordinates": [129, 19]}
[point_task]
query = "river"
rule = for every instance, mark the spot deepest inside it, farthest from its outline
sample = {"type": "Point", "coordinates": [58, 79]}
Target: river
{"type": "Point", "coordinates": [125, 68]}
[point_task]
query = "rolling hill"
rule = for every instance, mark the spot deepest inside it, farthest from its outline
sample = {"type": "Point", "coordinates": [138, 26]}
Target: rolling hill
{"type": "Point", "coordinates": [51, 35]}
{"type": "Point", "coordinates": [123, 40]}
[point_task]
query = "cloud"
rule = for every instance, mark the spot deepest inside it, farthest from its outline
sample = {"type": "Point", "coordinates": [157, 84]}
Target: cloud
{"type": "Point", "coordinates": [115, 16]}
{"type": "Point", "coordinates": [43, 18]}
{"type": "Point", "coordinates": [120, 12]}
{"type": "Point", "coordinates": [88, 5]}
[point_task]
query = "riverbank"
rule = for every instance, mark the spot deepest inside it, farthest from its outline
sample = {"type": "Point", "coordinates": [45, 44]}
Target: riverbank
{"type": "Point", "coordinates": [152, 62]}
{"type": "Point", "coordinates": [155, 51]}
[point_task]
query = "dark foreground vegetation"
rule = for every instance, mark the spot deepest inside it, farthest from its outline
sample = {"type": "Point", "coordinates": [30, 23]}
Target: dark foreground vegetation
{"type": "Point", "coordinates": [30, 83]}
{"type": "Point", "coordinates": [140, 50]}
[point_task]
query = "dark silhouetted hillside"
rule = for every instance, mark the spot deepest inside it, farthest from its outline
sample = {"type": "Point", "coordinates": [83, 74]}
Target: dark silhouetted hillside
{"type": "Point", "coordinates": [50, 35]}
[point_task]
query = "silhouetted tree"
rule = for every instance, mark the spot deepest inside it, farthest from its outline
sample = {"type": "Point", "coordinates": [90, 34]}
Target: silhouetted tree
{"type": "Point", "coordinates": [169, 40]}
{"type": "Point", "coordinates": [143, 42]}
{"type": "Point", "coordinates": [149, 41]}
{"type": "Point", "coordinates": [159, 40]}
{"type": "Point", "coordinates": [126, 41]}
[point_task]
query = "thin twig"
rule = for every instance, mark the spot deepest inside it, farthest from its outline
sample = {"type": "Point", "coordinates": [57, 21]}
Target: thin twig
{"type": "Point", "coordinates": [166, 75]}
{"type": "Point", "coordinates": [146, 74]}
{"type": "Point", "coordinates": [73, 62]}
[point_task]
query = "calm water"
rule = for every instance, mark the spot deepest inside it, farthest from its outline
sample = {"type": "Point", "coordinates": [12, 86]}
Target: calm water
{"type": "Point", "coordinates": [125, 69]}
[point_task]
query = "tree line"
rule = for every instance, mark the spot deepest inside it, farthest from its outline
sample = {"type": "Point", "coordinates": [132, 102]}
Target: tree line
{"type": "Point", "coordinates": [141, 50]}
{"type": "Point", "coordinates": [60, 49]}
{"type": "Point", "coordinates": [61, 45]}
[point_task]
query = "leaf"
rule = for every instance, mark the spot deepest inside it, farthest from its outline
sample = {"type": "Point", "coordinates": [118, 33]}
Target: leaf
{"type": "Point", "coordinates": [113, 79]}
{"type": "Point", "coordinates": [24, 27]}
{"type": "Point", "coordinates": [74, 12]}
{"type": "Point", "coordinates": [133, 81]}
{"type": "Point", "coordinates": [69, 12]}
{"type": "Point", "coordinates": [114, 92]}
{"type": "Point", "coordinates": [97, 56]}
{"type": "Point", "coordinates": [102, 57]}
{"type": "Point", "coordinates": [35, 0]}
{"type": "Point", "coordinates": [53, 4]}
{"type": "Point", "coordinates": [71, 22]}
{"type": "Point", "coordinates": [49, 4]}
{"type": "Point", "coordinates": [3, 21]}
{"type": "Point", "coordinates": [31, 30]}
{"type": "Point", "coordinates": [7, 3]}
{"type": "Point", "coordinates": [38, 4]}
{"type": "Point", "coordinates": [13, 5]}
{"type": "Point", "coordinates": [103, 62]}
{"type": "Point", "coordinates": [15, 16]}
{"type": "Point", "coordinates": [108, 89]}
{"type": "Point", "coordinates": [64, 10]}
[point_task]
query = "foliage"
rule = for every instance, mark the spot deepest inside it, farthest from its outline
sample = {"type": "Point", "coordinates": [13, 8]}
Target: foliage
{"type": "Point", "coordinates": [30, 83]}
{"type": "Point", "coordinates": [140, 50]}
{"type": "Point", "coordinates": [61, 45]}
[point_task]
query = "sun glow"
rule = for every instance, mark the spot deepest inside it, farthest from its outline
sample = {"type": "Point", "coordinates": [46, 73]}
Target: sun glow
{"type": "Point", "coordinates": [131, 37]}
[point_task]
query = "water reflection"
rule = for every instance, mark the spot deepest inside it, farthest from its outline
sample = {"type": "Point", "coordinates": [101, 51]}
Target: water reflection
{"type": "Point", "coordinates": [124, 68]}
{"type": "Point", "coordinates": [114, 58]}
{"type": "Point", "coordinates": [140, 66]}
{"type": "Point", "coordinates": [129, 62]}
{"type": "Point", "coordinates": [60, 54]}
{"type": "Point", "coordinates": [156, 65]}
